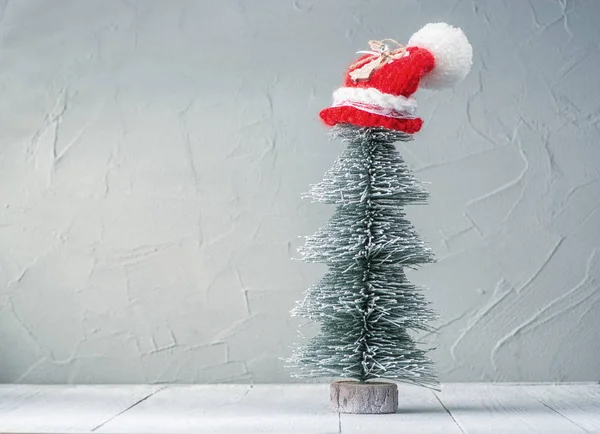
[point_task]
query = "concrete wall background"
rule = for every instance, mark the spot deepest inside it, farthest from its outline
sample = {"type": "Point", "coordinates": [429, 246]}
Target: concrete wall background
{"type": "Point", "coordinates": [152, 156]}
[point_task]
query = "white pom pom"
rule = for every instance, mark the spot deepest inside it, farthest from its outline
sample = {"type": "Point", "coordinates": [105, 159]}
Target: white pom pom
{"type": "Point", "coordinates": [452, 52]}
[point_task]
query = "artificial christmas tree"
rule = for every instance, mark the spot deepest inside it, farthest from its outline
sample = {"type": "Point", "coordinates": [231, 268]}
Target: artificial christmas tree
{"type": "Point", "coordinates": [365, 305]}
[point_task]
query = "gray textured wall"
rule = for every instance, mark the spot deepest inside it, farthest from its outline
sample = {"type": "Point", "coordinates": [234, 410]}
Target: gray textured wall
{"type": "Point", "coordinates": [153, 153]}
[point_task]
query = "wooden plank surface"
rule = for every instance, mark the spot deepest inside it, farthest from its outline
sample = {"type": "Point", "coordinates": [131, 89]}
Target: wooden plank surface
{"type": "Point", "coordinates": [466, 408]}
{"type": "Point", "coordinates": [232, 409]}
{"type": "Point", "coordinates": [579, 403]}
{"type": "Point", "coordinates": [487, 408]}
{"type": "Point", "coordinates": [41, 408]}
{"type": "Point", "coordinates": [419, 411]}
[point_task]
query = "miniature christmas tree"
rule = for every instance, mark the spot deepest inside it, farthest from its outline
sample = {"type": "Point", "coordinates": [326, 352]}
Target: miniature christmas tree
{"type": "Point", "coordinates": [365, 305]}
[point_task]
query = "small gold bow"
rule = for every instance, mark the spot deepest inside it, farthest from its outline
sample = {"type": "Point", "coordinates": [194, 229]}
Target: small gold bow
{"type": "Point", "coordinates": [382, 53]}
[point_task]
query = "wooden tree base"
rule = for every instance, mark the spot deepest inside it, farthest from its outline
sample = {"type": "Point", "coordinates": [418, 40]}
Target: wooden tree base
{"type": "Point", "coordinates": [364, 398]}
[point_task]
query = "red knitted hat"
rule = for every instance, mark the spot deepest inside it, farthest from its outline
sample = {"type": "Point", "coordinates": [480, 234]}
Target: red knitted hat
{"type": "Point", "coordinates": [378, 86]}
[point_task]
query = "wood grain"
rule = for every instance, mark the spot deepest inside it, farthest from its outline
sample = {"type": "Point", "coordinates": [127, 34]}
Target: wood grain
{"type": "Point", "coordinates": [41, 408]}
{"type": "Point", "coordinates": [419, 411]}
{"type": "Point", "coordinates": [231, 409]}
{"type": "Point", "coordinates": [579, 403]}
{"type": "Point", "coordinates": [297, 408]}
{"type": "Point", "coordinates": [364, 398]}
{"type": "Point", "coordinates": [496, 408]}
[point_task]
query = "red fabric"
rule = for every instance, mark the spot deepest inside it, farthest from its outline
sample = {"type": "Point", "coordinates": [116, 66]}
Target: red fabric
{"type": "Point", "coordinates": [400, 77]}
{"type": "Point", "coordinates": [349, 115]}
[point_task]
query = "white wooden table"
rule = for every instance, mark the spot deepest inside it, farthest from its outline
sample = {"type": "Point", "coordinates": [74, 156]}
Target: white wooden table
{"type": "Point", "coordinates": [459, 408]}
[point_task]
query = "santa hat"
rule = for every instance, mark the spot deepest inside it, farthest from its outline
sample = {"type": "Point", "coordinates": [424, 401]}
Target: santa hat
{"type": "Point", "coordinates": [378, 86]}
